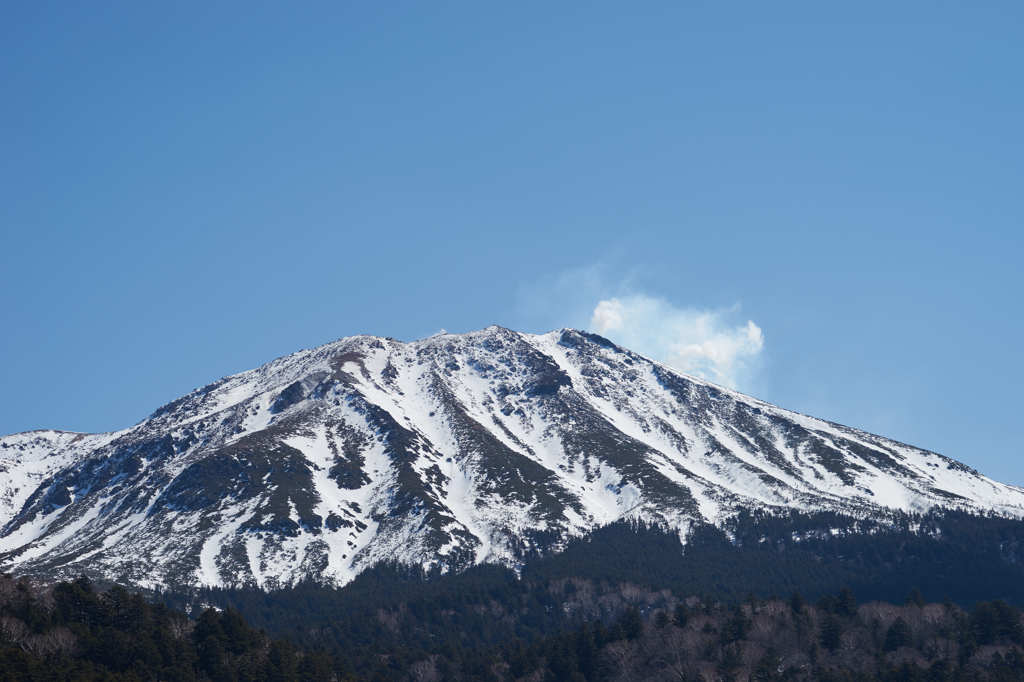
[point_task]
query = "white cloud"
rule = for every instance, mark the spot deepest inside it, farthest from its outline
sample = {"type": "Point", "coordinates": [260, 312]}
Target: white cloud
{"type": "Point", "coordinates": [607, 316]}
{"type": "Point", "coordinates": [701, 342]}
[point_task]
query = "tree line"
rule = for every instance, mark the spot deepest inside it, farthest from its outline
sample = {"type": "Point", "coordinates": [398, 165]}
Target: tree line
{"type": "Point", "coordinates": [816, 596]}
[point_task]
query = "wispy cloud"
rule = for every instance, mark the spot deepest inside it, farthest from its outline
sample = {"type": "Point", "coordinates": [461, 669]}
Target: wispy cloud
{"type": "Point", "coordinates": [714, 343]}
{"type": "Point", "coordinates": [701, 342]}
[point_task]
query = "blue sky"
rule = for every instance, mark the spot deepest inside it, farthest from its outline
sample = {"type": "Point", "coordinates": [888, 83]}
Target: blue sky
{"type": "Point", "coordinates": [188, 191]}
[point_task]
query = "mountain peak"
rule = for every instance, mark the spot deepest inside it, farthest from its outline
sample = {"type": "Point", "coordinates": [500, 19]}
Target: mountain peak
{"type": "Point", "coordinates": [448, 451]}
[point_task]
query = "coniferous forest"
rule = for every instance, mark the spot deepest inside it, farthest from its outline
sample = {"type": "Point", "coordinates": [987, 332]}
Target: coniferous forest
{"type": "Point", "coordinates": [766, 598]}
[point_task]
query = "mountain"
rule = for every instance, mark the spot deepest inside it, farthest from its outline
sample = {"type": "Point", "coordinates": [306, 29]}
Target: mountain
{"type": "Point", "coordinates": [450, 451]}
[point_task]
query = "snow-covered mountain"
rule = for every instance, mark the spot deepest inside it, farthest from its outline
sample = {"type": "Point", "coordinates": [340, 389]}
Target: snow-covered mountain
{"type": "Point", "coordinates": [451, 450]}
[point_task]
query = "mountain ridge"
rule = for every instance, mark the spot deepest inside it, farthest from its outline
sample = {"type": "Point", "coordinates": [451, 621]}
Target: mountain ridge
{"type": "Point", "coordinates": [447, 451]}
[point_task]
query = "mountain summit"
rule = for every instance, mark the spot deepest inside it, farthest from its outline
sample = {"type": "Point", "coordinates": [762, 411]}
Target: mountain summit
{"type": "Point", "coordinates": [453, 450]}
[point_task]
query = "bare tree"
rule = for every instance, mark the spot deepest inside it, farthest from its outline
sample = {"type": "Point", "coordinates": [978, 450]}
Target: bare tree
{"type": "Point", "coordinates": [625, 657]}
{"type": "Point", "coordinates": [180, 628]}
{"type": "Point", "coordinates": [12, 629]}
{"type": "Point", "coordinates": [55, 642]}
{"type": "Point", "coordinates": [424, 671]}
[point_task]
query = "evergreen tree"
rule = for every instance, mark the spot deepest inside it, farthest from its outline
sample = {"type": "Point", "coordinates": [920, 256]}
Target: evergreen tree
{"type": "Point", "coordinates": [846, 603]}
{"type": "Point", "coordinates": [631, 624]}
{"type": "Point", "coordinates": [915, 597]}
{"type": "Point", "coordinates": [797, 603]}
{"type": "Point", "coordinates": [831, 631]}
{"type": "Point", "coordinates": [897, 635]}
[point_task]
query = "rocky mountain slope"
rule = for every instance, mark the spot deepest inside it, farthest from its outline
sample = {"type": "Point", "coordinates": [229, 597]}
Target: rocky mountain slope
{"type": "Point", "coordinates": [452, 450]}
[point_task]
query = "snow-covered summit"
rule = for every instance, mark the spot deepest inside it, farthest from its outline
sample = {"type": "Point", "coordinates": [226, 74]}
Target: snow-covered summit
{"type": "Point", "coordinates": [453, 450]}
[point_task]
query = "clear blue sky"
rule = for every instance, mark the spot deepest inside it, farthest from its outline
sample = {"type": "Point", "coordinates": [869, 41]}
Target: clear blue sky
{"type": "Point", "coordinates": [188, 190]}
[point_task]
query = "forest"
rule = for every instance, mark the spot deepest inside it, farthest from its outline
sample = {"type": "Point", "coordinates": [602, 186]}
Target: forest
{"type": "Point", "coordinates": [800, 597]}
